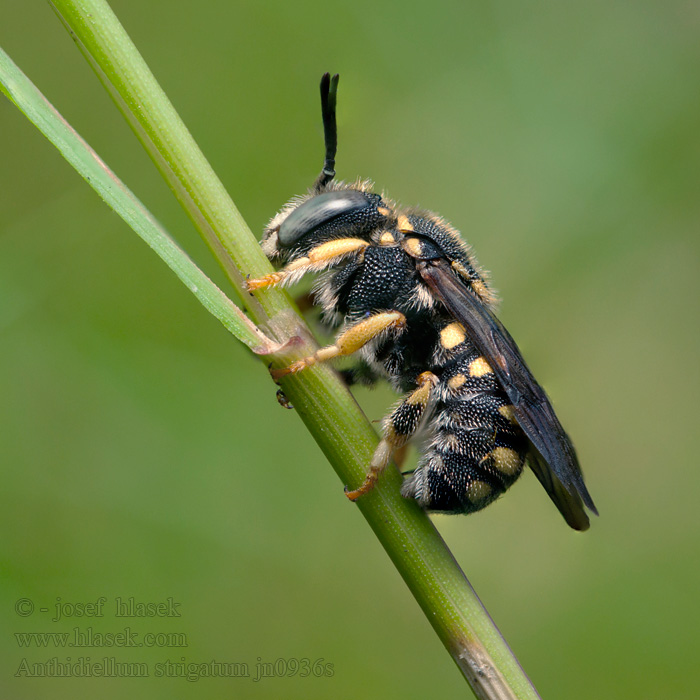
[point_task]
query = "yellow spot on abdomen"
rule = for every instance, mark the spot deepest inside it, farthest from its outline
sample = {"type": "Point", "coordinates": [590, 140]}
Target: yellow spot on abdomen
{"type": "Point", "coordinates": [479, 367]}
{"type": "Point", "coordinates": [505, 460]}
{"type": "Point", "coordinates": [451, 336]}
{"type": "Point", "coordinates": [478, 490]}
{"type": "Point", "coordinates": [508, 413]}
{"type": "Point", "coordinates": [457, 381]}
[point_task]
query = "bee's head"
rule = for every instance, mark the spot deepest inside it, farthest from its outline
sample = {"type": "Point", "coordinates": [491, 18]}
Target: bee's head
{"type": "Point", "coordinates": [341, 212]}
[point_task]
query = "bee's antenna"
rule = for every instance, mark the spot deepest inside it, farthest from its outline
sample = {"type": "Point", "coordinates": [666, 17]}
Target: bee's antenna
{"type": "Point", "coordinates": [329, 91]}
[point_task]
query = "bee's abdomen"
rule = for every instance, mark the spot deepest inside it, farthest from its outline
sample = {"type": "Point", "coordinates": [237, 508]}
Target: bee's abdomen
{"type": "Point", "coordinates": [476, 449]}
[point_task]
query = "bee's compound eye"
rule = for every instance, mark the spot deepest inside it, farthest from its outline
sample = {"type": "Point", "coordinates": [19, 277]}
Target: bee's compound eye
{"type": "Point", "coordinates": [321, 210]}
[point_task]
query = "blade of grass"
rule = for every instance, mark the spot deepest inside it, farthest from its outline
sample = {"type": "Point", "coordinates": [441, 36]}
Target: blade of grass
{"type": "Point", "coordinates": [323, 403]}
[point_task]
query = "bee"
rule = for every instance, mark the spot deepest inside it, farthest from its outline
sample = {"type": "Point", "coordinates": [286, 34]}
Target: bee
{"type": "Point", "coordinates": [412, 304]}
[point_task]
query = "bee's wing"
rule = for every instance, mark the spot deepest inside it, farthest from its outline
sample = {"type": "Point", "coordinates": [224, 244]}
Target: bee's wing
{"type": "Point", "coordinates": [553, 458]}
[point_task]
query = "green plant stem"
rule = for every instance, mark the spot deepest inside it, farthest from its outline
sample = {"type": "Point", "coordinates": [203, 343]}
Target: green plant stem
{"type": "Point", "coordinates": [323, 403]}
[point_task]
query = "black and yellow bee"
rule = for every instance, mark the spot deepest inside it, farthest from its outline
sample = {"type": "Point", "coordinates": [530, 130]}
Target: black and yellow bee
{"type": "Point", "coordinates": [408, 296]}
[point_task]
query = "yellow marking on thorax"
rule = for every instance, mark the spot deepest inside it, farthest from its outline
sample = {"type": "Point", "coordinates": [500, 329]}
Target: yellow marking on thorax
{"type": "Point", "coordinates": [387, 238]}
{"type": "Point", "coordinates": [404, 224]}
{"type": "Point", "coordinates": [413, 247]}
{"type": "Point", "coordinates": [451, 336]}
{"type": "Point", "coordinates": [456, 382]}
{"type": "Point", "coordinates": [479, 367]}
{"type": "Point", "coordinates": [505, 460]}
{"type": "Point", "coordinates": [384, 211]}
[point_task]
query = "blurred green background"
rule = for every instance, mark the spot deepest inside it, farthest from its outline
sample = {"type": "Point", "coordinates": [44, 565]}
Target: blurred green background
{"type": "Point", "coordinates": [143, 452]}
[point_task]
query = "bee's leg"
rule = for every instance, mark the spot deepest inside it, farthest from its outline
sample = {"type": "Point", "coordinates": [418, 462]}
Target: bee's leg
{"type": "Point", "coordinates": [317, 259]}
{"type": "Point", "coordinates": [349, 341]}
{"type": "Point", "coordinates": [399, 427]}
{"type": "Point", "coordinates": [400, 455]}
